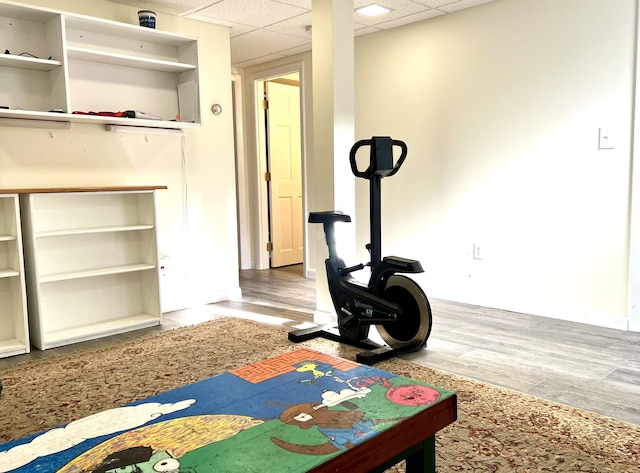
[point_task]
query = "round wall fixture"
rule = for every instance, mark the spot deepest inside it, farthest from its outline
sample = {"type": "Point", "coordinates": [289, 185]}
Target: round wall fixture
{"type": "Point", "coordinates": [216, 109]}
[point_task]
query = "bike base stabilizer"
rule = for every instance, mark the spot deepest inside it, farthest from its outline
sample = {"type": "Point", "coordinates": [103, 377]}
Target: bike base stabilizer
{"type": "Point", "coordinates": [374, 352]}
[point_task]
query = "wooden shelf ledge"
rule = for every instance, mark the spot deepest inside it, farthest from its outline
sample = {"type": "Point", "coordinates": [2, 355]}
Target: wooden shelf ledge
{"type": "Point", "coordinates": [53, 190]}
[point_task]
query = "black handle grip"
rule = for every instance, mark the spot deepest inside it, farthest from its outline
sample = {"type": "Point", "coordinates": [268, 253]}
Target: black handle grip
{"type": "Point", "coordinates": [403, 155]}
{"type": "Point", "coordinates": [381, 157]}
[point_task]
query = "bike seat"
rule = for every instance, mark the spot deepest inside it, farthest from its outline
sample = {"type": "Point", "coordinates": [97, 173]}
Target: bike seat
{"type": "Point", "coordinates": [328, 216]}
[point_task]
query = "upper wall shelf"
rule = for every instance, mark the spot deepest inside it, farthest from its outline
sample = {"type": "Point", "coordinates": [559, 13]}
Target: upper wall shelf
{"type": "Point", "coordinates": [127, 61]}
{"type": "Point", "coordinates": [123, 30]}
{"type": "Point", "coordinates": [17, 117]}
{"type": "Point", "coordinates": [76, 63]}
{"type": "Point", "coordinates": [25, 62]}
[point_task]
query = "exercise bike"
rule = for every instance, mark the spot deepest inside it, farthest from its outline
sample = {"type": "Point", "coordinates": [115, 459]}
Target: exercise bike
{"type": "Point", "coordinates": [394, 303]}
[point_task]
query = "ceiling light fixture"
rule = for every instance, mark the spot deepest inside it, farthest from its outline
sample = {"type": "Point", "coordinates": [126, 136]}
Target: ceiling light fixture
{"type": "Point", "coordinates": [373, 9]}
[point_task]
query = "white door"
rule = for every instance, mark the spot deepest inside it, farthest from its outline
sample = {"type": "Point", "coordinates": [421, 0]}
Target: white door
{"type": "Point", "coordinates": [284, 155]}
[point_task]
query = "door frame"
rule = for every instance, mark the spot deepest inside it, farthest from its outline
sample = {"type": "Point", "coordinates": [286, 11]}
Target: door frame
{"type": "Point", "coordinates": [242, 193]}
{"type": "Point", "coordinates": [633, 298]}
{"type": "Point", "coordinates": [261, 236]}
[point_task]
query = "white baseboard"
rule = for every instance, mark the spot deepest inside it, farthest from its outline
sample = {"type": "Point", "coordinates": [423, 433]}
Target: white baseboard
{"type": "Point", "coordinates": [229, 294]}
{"type": "Point", "coordinates": [599, 319]}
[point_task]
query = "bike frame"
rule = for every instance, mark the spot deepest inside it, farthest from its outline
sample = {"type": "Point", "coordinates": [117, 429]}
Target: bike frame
{"type": "Point", "coordinates": [359, 305]}
{"type": "Point", "coordinates": [341, 284]}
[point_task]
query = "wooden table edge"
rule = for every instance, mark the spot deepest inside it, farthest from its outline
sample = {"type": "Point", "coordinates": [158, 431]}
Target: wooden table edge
{"type": "Point", "coordinates": [394, 443]}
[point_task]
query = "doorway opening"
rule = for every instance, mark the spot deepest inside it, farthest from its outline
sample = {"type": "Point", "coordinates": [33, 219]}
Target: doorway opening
{"type": "Point", "coordinates": [280, 144]}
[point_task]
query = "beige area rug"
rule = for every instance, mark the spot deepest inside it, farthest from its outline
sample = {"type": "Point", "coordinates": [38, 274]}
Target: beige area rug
{"type": "Point", "coordinates": [498, 430]}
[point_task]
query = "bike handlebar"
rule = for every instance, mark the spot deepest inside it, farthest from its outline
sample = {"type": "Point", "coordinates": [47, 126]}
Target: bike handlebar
{"type": "Point", "coordinates": [381, 157]}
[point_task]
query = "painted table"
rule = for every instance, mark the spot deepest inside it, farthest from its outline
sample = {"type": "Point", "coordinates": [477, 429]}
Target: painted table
{"type": "Point", "coordinates": [300, 411]}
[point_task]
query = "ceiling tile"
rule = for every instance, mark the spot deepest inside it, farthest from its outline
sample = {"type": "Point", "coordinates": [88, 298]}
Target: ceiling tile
{"type": "Point", "coordinates": [176, 7]}
{"type": "Point", "coordinates": [299, 49]}
{"type": "Point", "coordinates": [462, 4]}
{"type": "Point", "coordinates": [259, 43]}
{"type": "Point", "coordinates": [434, 3]}
{"type": "Point", "coordinates": [236, 29]}
{"type": "Point", "coordinates": [363, 30]}
{"type": "Point", "coordinates": [259, 13]}
{"type": "Point", "coordinates": [405, 20]}
{"type": "Point", "coordinates": [259, 60]}
{"type": "Point", "coordinates": [294, 26]}
{"type": "Point", "coordinates": [298, 3]}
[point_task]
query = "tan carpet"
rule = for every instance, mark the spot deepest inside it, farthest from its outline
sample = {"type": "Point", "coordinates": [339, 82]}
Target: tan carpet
{"type": "Point", "coordinates": [498, 430]}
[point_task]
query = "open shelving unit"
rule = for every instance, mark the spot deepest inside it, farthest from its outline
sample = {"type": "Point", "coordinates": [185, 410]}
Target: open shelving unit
{"type": "Point", "coordinates": [74, 63]}
{"type": "Point", "coordinates": [14, 332]}
{"type": "Point", "coordinates": [91, 263]}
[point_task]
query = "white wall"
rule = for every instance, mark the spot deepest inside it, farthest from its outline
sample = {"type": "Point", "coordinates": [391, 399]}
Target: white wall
{"type": "Point", "coordinates": [500, 107]}
{"type": "Point", "coordinates": [197, 213]}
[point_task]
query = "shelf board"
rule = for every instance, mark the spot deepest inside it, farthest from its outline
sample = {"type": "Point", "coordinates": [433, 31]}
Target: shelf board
{"type": "Point", "coordinates": [131, 31]}
{"type": "Point", "coordinates": [103, 57]}
{"type": "Point", "coordinates": [82, 333]}
{"type": "Point", "coordinates": [26, 62]}
{"type": "Point", "coordinates": [12, 347]}
{"type": "Point", "coordinates": [24, 12]}
{"type": "Point", "coordinates": [89, 230]}
{"type": "Point", "coordinates": [130, 268]}
{"type": "Point", "coordinates": [7, 237]}
{"type": "Point", "coordinates": [169, 124]}
{"type": "Point", "coordinates": [38, 117]}
{"type": "Point", "coordinates": [44, 117]}
{"type": "Point", "coordinates": [82, 190]}
{"type": "Point", "coordinates": [8, 273]}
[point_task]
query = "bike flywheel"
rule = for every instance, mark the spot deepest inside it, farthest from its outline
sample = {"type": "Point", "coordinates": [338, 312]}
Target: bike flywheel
{"type": "Point", "coordinates": [411, 330]}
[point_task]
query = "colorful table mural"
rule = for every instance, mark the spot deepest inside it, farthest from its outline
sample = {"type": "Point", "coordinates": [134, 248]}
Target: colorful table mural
{"type": "Point", "coordinates": [300, 411]}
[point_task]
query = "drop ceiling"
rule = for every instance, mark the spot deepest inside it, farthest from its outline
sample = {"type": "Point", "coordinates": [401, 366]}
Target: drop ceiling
{"type": "Point", "coordinates": [265, 30]}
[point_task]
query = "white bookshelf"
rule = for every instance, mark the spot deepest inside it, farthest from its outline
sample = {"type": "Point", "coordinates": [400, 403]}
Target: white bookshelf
{"type": "Point", "coordinates": [14, 333]}
{"type": "Point", "coordinates": [91, 263]}
{"type": "Point", "coordinates": [86, 64]}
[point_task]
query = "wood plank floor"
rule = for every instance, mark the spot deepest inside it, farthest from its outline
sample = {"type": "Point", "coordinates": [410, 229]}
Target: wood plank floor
{"type": "Point", "coordinates": [589, 367]}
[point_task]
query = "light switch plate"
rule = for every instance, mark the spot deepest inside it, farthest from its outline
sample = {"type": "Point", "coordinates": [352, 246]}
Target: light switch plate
{"type": "Point", "coordinates": [605, 140]}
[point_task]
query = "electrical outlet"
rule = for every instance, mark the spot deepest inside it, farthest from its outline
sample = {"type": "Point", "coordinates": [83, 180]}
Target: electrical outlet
{"type": "Point", "coordinates": [477, 251]}
{"type": "Point", "coordinates": [163, 261]}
